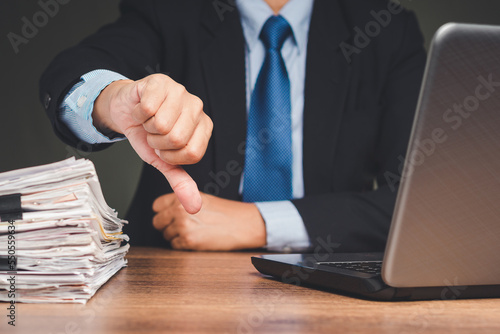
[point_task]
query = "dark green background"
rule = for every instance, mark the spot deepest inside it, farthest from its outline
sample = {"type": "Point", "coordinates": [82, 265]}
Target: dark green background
{"type": "Point", "coordinates": [26, 136]}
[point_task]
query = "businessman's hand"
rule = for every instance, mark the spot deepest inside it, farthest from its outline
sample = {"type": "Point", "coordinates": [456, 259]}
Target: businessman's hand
{"type": "Point", "coordinates": [165, 125]}
{"type": "Point", "coordinates": [221, 225]}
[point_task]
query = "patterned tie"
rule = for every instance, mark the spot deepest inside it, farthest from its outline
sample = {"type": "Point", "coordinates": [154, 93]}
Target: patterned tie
{"type": "Point", "coordinates": [268, 156]}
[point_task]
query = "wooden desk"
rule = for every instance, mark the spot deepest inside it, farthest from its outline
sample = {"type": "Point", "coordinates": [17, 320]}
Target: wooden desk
{"type": "Point", "coordinates": [188, 292]}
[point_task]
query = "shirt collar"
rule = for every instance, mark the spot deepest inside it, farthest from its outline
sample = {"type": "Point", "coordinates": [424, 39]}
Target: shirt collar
{"type": "Point", "coordinates": [254, 13]}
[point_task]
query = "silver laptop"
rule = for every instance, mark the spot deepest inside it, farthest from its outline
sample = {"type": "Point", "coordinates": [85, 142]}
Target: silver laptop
{"type": "Point", "coordinates": [444, 240]}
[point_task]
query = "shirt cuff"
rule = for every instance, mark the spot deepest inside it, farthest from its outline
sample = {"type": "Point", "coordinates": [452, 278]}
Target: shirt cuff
{"type": "Point", "coordinates": [284, 226]}
{"type": "Point", "coordinates": [76, 109]}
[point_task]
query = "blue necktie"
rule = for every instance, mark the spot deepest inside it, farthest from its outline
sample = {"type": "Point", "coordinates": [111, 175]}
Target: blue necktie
{"type": "Point", "coordinates": [268, 155]}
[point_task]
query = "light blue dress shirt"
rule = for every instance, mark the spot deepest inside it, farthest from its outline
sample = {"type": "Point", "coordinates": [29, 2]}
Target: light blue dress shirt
{"type": "Point", "coordinates": [284, 226]}
{"type": "Point", "coordinates": [77, 106]}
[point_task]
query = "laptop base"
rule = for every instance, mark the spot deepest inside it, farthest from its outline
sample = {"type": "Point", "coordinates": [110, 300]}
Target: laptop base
{"type": "Point", "coordinates": [305, 270]}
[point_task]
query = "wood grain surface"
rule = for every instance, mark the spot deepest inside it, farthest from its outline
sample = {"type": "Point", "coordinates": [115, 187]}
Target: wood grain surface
{"type": "Point", "coordinates": [164, 291]}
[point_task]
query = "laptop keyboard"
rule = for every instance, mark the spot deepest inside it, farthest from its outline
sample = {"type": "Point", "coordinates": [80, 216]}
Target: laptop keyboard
{"type": "Point", "coordinates": [368, 267]}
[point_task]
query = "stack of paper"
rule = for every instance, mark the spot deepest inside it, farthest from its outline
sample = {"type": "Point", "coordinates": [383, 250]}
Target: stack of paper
{"type": "Point", "coordinates": [67, 241]}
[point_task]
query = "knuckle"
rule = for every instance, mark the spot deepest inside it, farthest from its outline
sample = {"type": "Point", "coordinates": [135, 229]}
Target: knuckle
{"type": "Point", "coordinates": [178, 89]}
{"type": "Point", "coordinates": [161, 125]}
{"type": "Point", "coordinates": [177, 139]}
{"type": "Point", "coordinates": [156, 163]}
{"type": "Point", "coordinates": [159, 163]}
{"type": "Point", "coordinates": [197, 104]}
{"type": "Point", "coordinates": [181, 186]}
{"type": "Point", "coordinates": [182, 89]}
{"type": "Point", "coordinates": [193, 155]}
{"type": "Point", "coordinates": [157, 204]}
{"type": "Point", "coordinates": [147, 108]}
{"type": "Point", "coordinates": [164, 156]}
{"type": "Point", "coordinates": [189, 241]}
{"type": "Point", "coordinates": [156, 78]}
{"type": "Point", "coordinates": [156, 222]}
{"type": "Point", "coordinates": [175, 244]}
{"type": "Point", "coordinates": [210, 125]}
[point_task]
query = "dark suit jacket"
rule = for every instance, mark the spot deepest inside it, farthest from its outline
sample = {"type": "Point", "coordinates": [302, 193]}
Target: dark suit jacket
{"type": "Point", "coordinates": [357, 115]}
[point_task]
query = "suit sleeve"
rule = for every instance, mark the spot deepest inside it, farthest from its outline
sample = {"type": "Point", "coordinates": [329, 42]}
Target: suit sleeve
{"type": "Point", "coordinates": [128, 46]}
{"type": "Point", "coordinates": [360, 221]}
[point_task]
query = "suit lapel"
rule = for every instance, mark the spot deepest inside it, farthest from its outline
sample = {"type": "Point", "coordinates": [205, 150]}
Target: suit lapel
{"type": "Point", "coordinates": [223, 61]}
{"type": "Point", "coordinates": [326, 84]}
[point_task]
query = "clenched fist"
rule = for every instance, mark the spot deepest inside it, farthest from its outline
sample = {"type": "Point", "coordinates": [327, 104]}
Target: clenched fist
{"type": "Point", "coordinates": [221, 225]}
{"type": "Point", "coordinates": [165, 125]}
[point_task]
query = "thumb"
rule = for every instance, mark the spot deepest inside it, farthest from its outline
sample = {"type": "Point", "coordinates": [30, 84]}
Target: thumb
{"type": "Point", "coordinates": [182, 184]}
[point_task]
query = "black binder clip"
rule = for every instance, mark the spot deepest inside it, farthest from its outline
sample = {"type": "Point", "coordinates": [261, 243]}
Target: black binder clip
{"type": "Point", "coordinates": [8, 263]}
{"type": "Point", "coordinates": [10, 208]}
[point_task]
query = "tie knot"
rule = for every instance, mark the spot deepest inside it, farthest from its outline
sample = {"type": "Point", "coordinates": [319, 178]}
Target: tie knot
{"type": "Point", "coordinates": [275, 31]}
